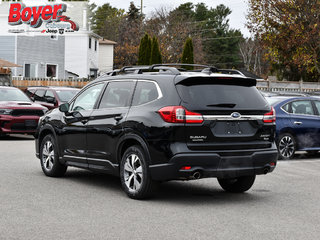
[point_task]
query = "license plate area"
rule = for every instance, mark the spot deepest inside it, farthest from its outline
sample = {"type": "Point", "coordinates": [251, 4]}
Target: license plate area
{"type": "Point", "coordinates": [30, 123]}
{"type": "Point", "coordinates": [233, 129]}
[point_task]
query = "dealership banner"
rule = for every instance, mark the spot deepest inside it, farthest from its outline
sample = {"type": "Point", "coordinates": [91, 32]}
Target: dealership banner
{"type": "Point", "coordinates": [41, 17]}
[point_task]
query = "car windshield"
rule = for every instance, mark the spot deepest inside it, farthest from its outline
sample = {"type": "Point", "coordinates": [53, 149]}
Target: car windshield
{"type": "Point", "coordinates": [12, 94]}
{"type": "Point", "coordinates": [66, 95]}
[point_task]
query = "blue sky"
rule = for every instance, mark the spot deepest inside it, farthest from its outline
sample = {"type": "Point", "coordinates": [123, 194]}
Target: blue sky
{"type": "Point", "coordinates": [237, 17]}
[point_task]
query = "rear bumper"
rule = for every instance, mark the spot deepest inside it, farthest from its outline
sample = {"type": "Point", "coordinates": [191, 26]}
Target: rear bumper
{"type": "Point", "coordinates": [220, 165]}
{"type": "Point", "coordinates": [19, 124]}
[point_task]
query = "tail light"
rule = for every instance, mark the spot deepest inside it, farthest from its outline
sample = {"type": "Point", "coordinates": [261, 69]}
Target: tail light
{"type": "Point", "coordinates": [178, 114]}
{"type": "Point", "coordinates": [270, 117]}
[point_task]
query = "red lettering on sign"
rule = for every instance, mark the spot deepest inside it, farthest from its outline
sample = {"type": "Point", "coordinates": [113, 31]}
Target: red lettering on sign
{"type": "Point", "coordinates": [14, 12]}
{"type": "Point", "coordinates": [46, 13]}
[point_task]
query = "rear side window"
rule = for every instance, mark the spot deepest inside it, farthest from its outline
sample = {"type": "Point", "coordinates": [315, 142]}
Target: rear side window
{"type": "Point", "coordinates": [302, 107]}
{"type": "Point", "coordinates": [49, 94]}
{"type": "Point", "coordinates": [145, 92]}
{"type": "Point", "coordinates": [317, 103]}
{"type": "Point", "coordinates": [287, 108]}
{"type": "Point", "coordinates": [117, 94]}
{"type": "Point", "coordinates": [209, 95]}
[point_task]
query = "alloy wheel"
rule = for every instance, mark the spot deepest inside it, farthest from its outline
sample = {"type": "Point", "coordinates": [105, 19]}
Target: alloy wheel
{"type": "Point", "coordinates": [133, 174]}
{"type": "Point", "coordinates": [286, 147]}
{"type": "Point", "coordinates": [48, 155]}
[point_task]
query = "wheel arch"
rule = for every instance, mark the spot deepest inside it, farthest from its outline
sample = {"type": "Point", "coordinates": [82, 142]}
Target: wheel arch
{"type": "Point", "coordinates": [47, 129]}
{"type": "Point", "coordinates": [129, 140]}
{"type": "Point", "coordinates": [290, 131]}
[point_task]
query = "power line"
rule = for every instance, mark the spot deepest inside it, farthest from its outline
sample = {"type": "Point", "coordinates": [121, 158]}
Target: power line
{"type": "Point", "coordinates": [221, 38]}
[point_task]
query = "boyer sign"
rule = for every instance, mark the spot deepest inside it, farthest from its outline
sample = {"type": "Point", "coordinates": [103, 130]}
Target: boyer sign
{"type": "Point", "coordinates": [35, 16]}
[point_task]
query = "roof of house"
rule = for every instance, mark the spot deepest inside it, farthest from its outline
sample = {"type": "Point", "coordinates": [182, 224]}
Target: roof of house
{"type": "Point", "coordinates": [4, 63]}
{"type": "Point", "coordinates": [106, 42]}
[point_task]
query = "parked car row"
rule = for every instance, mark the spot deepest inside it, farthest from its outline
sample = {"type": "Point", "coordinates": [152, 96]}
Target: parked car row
{"type": "Point", "coordinates": [20, 113]}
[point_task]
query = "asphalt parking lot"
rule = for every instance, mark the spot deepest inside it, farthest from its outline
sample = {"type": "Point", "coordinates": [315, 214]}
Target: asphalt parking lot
{"type": "Point", "coordinates": [86, 205]}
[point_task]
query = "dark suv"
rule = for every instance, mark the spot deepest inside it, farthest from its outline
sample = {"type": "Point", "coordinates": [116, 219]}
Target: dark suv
{"type": "Point", "coordinates": [158, 123]}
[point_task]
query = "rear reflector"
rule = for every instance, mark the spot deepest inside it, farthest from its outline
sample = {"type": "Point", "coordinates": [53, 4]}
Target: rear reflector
{"type": "Point", "coordinates": [270, 117]}
{"type": "Point", "coordinates": [178, 114]}
{"type": "Point", "coordinates": [185, 168]}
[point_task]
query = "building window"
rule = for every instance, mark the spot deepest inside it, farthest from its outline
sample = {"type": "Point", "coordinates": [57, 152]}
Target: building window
{"type": "Point", "coordinates": [95, 45]}
{"type": "Point", "coordinates": [30, 70]}
{"type": "Point", "coordinates": [27, 70]}
{"type": "Point", "coordinates": [51, 70]}
{"type": "Point", "coordinates": [89, 43]}
{"type": "Point", "coordinates": [93, 73]}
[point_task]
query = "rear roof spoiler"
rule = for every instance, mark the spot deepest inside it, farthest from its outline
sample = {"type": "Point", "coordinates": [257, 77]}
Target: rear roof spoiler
{"type": "Point", "coordinates": [221, 80]}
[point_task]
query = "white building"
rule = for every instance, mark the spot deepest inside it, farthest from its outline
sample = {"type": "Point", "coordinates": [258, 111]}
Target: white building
{"type": "Point", "coordinates": [106, 55]}
{"type": "Point", "coordinates": [74, 54]}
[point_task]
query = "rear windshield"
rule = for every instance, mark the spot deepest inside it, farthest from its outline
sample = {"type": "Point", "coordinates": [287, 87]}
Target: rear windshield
{"type": "Point", "coordinates": [219, 96]}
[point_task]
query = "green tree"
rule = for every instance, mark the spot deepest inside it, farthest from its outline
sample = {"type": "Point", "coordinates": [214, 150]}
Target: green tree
{"type": "Point", "coordinates": [133, 13]}
{"type": "Point", "coordinates": [155, 52]}
{"type": "Point", "coordinates": [289, 31]}
{"type": "Point", "coordinates": [106, 20]}
{"type": "Point", "coordinates": [220, 43]}
{"type": "Point", "coordinates": [187, 54]}
{"type": "Point", "coordinates": [144, 50]}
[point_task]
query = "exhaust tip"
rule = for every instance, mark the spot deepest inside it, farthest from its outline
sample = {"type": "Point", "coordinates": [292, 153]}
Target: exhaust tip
{"type": "Point", "coordinates": [197, 175]}
{"type": "Point", "coordinates": [266, 170]}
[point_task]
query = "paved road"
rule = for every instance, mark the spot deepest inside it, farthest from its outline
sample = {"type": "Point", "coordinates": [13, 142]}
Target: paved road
{"type": "Point", "coordinates": [85, 205]}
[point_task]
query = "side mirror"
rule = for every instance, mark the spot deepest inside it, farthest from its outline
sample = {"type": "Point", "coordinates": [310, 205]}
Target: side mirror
{"type": "Point", "coordinates": [64, 107]}
{"type": "Point", "coordinates": [50, 100]}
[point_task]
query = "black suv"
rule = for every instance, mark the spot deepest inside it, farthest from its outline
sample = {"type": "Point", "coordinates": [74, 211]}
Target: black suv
{"type": "Point", "coordinates": [157, 123]}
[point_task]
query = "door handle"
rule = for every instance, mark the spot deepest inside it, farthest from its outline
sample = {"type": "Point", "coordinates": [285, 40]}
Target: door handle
{"type": "Point", "coordinates": [118, 118]}
{"type": "Point", "coordinates": [297, 123]}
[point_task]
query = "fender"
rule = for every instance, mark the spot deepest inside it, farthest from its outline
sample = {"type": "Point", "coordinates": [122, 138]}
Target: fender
{"type": "Point", "coordinates": [136, 137]}
{"type": "Point", "coordinates": [51, 129]}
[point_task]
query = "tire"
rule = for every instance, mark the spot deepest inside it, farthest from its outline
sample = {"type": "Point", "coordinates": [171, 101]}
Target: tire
{"type": "Point", "coordinates": [286, 146]}
{"type": "Point", "coordinates": [237, 185]}
{"type": "Point", "coordinates": [49, 158]}
{"type": "Point", "coordinates": [3, 135]}
{"type": "Point", "coordinates": [135, 175]}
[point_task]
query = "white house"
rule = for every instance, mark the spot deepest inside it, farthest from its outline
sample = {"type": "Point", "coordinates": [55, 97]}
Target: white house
{"type": "Point", "coordinates": [74, 54]}
{"type": "Point", "coordinates": [106, 55]}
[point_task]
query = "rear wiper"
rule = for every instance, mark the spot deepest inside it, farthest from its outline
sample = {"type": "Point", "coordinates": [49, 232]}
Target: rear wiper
{"type": "Point", "coordinates": [226, 105]}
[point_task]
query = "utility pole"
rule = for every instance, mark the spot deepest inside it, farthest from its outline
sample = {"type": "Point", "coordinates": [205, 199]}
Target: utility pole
{"type": "Point", "coordinates": [141, 6]}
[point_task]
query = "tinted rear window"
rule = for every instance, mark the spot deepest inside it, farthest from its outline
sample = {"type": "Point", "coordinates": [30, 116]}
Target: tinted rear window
{"type": "Point", "coordinates": [218, 96]}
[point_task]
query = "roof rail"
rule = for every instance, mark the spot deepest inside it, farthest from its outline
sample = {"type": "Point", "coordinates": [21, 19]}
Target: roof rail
{"type": "Point", "coordinates": [168, 67]}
